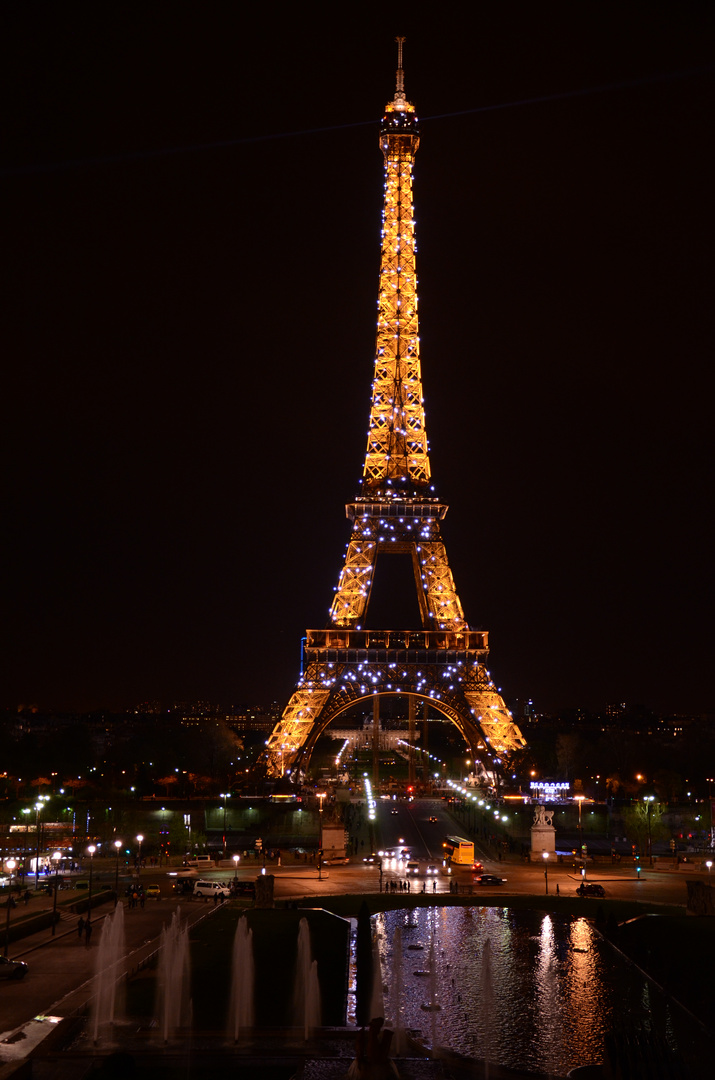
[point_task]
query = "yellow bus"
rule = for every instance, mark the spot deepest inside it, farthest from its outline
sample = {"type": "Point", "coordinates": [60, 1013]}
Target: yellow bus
{"type": "Point", "coordinates": [459, 851]}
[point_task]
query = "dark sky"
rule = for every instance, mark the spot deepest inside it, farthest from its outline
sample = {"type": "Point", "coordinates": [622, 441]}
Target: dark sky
{"type": "Point", "coordinates": [192, 201]}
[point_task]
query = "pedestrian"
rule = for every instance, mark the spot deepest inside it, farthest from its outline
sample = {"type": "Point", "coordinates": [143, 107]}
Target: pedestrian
{"type": "Point", "coordinates": [142, 898]}
{"type": "Point", "coordinates": [26, 897]}
{"type": "Point", "coordinates": [434, 886]}
{"type": "Point", "coordinates": [87, 933]}
{"type": "Point", "coordinates": [557, 890]}
{"type": "Point", "coordinates": [80, 927]}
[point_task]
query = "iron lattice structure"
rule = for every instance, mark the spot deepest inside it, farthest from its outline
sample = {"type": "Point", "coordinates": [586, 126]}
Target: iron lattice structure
{"type": "Point", "coordinates": [396, 512]}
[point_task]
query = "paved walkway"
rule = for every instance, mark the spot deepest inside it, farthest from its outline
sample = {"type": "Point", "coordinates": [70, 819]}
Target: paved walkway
{"type": "Point", "coordinates": [60, 980]}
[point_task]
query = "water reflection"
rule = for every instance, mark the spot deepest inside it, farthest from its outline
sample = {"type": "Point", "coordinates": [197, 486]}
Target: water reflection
{"type": "Point", "coordinates": [523, 989]}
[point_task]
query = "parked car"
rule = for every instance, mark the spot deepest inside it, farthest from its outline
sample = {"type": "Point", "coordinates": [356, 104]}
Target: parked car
{"type": "Point", "coordinates": [153, 890]}
{"type": "Point", "coordinates": [244, 888]}
{"type": "Point", "coordinates": [211, 888]}
{"type": "Point", "coordinates": [12, 969]}
{"type": "Point", "coordinates": [590, 889]}
{"type": "Point", "coordinates": [491, 879]}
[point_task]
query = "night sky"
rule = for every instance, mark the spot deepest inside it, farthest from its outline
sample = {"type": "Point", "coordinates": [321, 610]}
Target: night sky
{"type": "Point", "coordinates": [192, 200]}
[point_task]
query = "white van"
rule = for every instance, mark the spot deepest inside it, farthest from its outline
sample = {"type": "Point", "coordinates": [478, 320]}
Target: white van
{"type": "Point", "coordinates": [211, 888]}
{"type": "Point", "coordinates": [199, 860]}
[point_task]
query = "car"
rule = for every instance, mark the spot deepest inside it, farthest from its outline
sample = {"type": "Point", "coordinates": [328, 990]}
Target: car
{"type": "Point", "coordinates": [433, 817]}
{"type": "Point", "coordinates": [12, 969]}
{"type": "Point", "coordinates": [412, 868]}
{"type": "Point", "coordinates": [477, 868]}
{"type": "Point", "coordinates": [244, 888]}
{"type": "Point", "coordinates": [431, 870]}
{"type": "Point", "coordinates": [393, 811]}
{"type": "Point", "coordinates": [211, 888]}
{"type": "Point", "coordinates": [491, 879]}
{"type": "Point", "coordinates": [371, 858]}
{"type": "Point", "coordinates": [337, 860]}
{"type": "Point", "coordinates": [153, 890]}
{"type": "Point", "coordinates": [590, 889]}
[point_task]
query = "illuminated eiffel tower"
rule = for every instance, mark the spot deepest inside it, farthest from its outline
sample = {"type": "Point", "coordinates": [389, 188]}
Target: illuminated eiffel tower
{"type": "Point", "coordinates": [396, 512]}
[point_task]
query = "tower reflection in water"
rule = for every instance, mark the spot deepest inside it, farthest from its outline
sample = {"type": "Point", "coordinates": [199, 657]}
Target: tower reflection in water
{"type": "Point", "coordinates": [524, 989]}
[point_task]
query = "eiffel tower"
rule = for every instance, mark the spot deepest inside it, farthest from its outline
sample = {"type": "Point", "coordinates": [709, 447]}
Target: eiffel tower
{"type": "Point", "coordinates": [396, 512]}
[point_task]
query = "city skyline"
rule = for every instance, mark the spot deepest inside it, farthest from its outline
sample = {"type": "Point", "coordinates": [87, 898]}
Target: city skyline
{"type": "Point", "coordinates": [194, 237]}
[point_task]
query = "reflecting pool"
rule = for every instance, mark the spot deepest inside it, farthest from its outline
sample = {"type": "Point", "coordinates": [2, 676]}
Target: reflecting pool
{"type": "Point", "coordinates": [524, 989]}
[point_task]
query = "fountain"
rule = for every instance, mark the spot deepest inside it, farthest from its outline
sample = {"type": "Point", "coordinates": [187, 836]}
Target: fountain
{"type": "Point", "coordinates": [109, 954]}
{"type": "Point", "coordinates": [174, 1005]}
{"type": "Point", "coordinates": [306, 997]}
{"type": "Point", "coordinates": [241, 1013]}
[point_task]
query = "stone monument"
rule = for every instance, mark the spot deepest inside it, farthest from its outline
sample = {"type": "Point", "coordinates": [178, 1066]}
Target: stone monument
{"type": "Point", "coordinates": [543, 833]}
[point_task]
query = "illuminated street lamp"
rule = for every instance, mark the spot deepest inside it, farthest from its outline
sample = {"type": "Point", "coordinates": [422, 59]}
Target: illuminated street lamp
{"type": "Point", "coordinates": [709, 866]}
{"type": "Point", "coordinates": [117, 845]}
{"type": "Point", "coordinates": [545, 857]}
{"type": "Point", "coordinates": [236, 859]}
{"type": "Point", "coordinates": [321, 795]}
{"type": "Point", "coordinates": [10, 864]}
{"type": "Point", "coordinates": [139, 863]}
{"type": "Point", "coordinates": [649, 800]}
{"type": "Point", "coordinates": [56, 856]}
{"type": "Point", "coordinates": [91, 849]}
{"type": "Point", "coordinates": [224, 796]}
{"type": "Point", "coordinates": [38, 808]}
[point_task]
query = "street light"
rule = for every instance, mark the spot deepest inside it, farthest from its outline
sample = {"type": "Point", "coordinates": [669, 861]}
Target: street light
{"type": "Point", "coordinates": [579, 799]}
{"type": "Point", "coordinates": [545, 857]}
{"type": "Point", "coordinates": [236, 859]}
{"type": "Point", "coordinates": [224, 796]}
{"type": "Point", "coordinates": [139, 863]}
{"type": "Point", "coordinates": [117, 845]}
{"type": "Point", "coordinates": [10, 864]}
{"type": "Point", "coordinates": [38, 807]}
{"type": "Point", "coordinates": [56, 856]}
{"type": "Point", "coordinates": [709, 866]}
{"type": "Point", "coordinates": [91, 849]}
{"type": "Point", "coordinates": [649, 800]}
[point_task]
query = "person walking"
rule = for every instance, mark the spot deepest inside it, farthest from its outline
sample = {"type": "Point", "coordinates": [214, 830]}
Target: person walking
{"type": "Point", "coordinates": [80, 927]}
{"type": "Point", "coordinates": [87, 934]}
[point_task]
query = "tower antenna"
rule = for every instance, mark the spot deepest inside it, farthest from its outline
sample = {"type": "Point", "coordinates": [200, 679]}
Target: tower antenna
{"type": "Point", "coordinates": [400, 92]}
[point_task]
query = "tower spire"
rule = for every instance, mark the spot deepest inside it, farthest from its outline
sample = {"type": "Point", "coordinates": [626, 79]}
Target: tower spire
{"type": "Point", "coordinates": [397, 457]}
{"type": "Point", "coordinates": [400, 89]}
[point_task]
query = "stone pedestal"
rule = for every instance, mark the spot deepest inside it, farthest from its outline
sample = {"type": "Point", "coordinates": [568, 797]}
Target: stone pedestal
{"type": "Point", "coordinates": [543, 833]}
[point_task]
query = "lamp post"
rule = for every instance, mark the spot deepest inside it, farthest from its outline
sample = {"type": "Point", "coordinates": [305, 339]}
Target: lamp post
{"type": "Point", "coordinates": [117, 845]}
{"type": "Point", "coordinates": [236, 859]}
{"type": "Point", "coordinates": [649, 800]}
{"type": "Point", "coordinates": [10, 864]}
{"type": "Point", "coordinates": [38, 807]}
{"type": "Point", "coordinates": [139, 857]}
{"type": "Point", "coordinates": [224, 796]}
{"type": "Point", "coordinates": [91, 849]}
{"type": "Point", "coordinates": [56, 856]}
{"type": "Point", "coordinates": [709, 866]}
{"type": "Point", "coordinates": [545, 857]}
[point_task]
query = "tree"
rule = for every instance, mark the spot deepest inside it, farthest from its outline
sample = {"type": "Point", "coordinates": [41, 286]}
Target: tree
{"type": "Point", "coordinates": [644, 819]}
